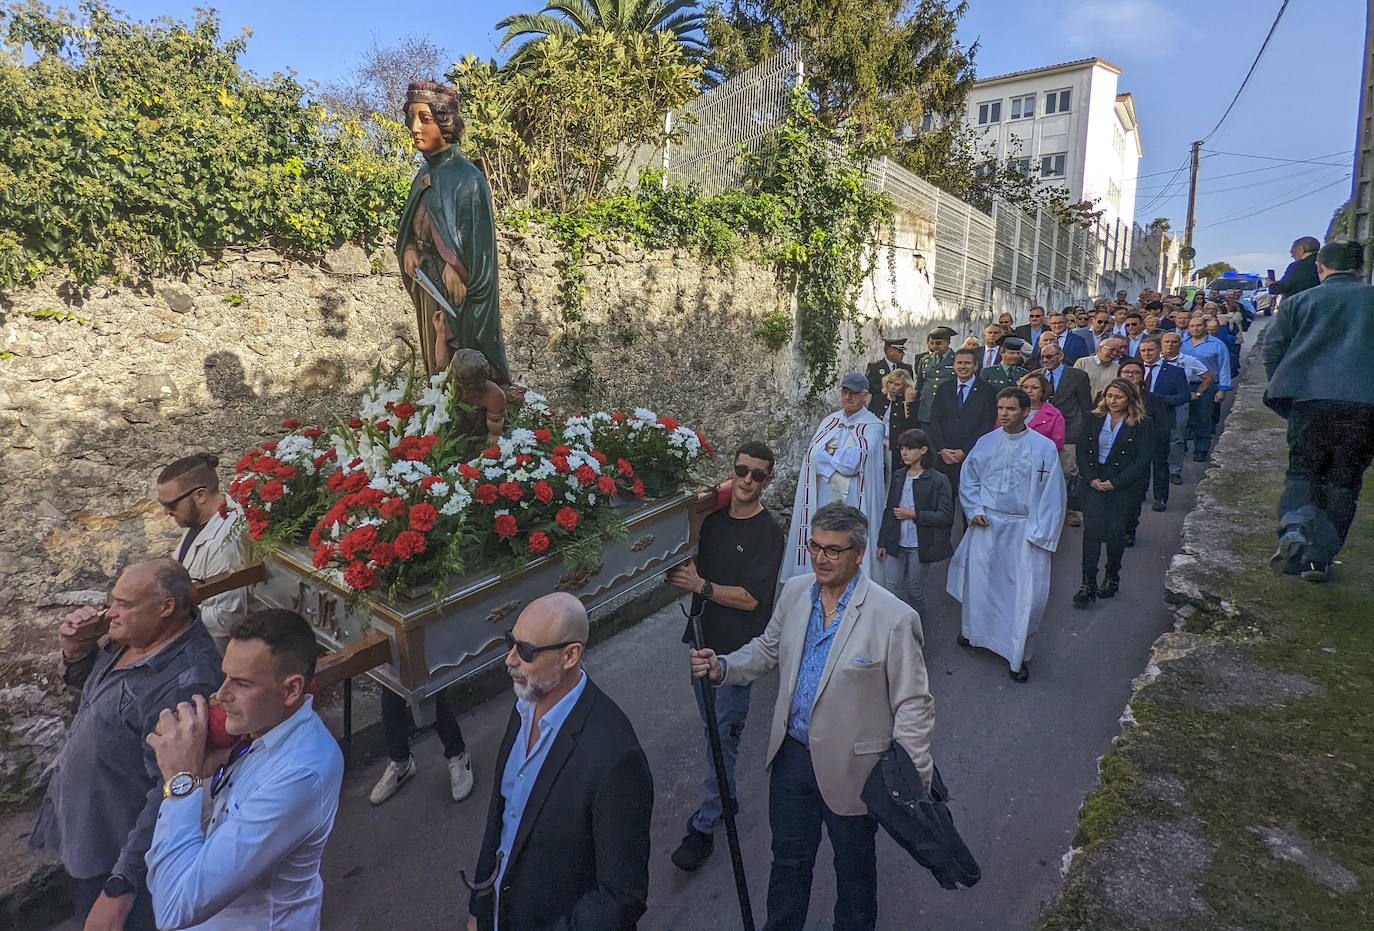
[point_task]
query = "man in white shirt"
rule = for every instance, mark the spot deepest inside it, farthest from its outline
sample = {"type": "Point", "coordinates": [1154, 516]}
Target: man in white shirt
{"type": "Point", "coordinates": [273, 795]}
{"type": "Point", "coordinates": [188, 491]}
{"type": "Point", "coordinates": [991, 350]}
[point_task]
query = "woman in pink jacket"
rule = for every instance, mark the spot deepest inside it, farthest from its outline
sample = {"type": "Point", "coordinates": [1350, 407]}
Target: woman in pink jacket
{"type": "Point", "coordinates": [1045, 418]}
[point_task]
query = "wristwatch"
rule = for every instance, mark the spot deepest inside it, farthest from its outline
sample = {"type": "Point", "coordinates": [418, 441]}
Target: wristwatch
{"type": "Point", "coordinates": [706, 589]}
{"type": "Point", "coordinates": [117, 886]}
{"type": "Point", "coordinates": [180, 785]}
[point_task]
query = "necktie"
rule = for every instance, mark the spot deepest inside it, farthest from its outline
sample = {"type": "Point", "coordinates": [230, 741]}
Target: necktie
{"type": "Point", "coordinates": [963, 394]}
{"type": "Point", "coordinates": [1151, 383]}
{"type": "Point", "coordinates": [1054, 380]}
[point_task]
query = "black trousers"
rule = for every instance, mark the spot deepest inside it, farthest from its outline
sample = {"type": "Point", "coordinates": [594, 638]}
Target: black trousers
{"type": "Point", "coordinates": [1105, 515]}
{"type": "Point", "coordinates": [1330, 445]}
{"type": "Point", "coordinates": [396, 727]}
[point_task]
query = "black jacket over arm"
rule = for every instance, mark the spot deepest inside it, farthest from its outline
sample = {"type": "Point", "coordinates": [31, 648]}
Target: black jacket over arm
{"type": "Point", "coordinates": [1127, 461]}
{"type": "Point", "coordinates": [580, 859]}
{"type": "Point", "coordinates": [958, 427]}
{"type": "Point", "coordinates": [934, 515]}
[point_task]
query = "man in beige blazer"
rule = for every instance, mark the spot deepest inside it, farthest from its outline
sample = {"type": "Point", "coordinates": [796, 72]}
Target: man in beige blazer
{"type": "Point", "coordinates": [851, 679]}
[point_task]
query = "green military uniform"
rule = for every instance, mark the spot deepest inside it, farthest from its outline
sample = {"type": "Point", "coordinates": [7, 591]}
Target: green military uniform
{"type": "Point", "coordinates": [932, 370]}
{"type": "Point", "coordinates": [1002, 375]}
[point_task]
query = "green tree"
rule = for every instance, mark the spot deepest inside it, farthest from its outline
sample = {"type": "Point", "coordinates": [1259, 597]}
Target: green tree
{"type": "Point", "coordinates": [565, 19]}
{"type": "Point", "coordinates": [1214, 270]}
{"type": "Point", "coordinates": [1159, 226]}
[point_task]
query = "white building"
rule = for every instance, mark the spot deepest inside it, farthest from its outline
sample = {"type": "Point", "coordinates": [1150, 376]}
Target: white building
{"type": "Point", "coordinates": [1069, 121]}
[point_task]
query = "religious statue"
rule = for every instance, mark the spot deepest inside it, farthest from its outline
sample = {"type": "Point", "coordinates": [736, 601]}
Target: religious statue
{"type": "Point", "coordinates": [484, 401]}
{"type": "Point", "coordinates": [447, 240]}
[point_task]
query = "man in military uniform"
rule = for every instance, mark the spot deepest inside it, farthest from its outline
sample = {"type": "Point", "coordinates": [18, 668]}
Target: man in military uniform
{"type": "Point", "coordinates": [1008, 372]}
{"type": "Point", "coordinates": [893, 351]}
{"type": "Point", "coordinates": [933, 369]}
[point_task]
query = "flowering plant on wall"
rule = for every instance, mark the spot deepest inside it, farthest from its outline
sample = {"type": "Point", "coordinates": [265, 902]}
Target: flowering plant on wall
{"type": "Point", "coordinates": [399, 499]}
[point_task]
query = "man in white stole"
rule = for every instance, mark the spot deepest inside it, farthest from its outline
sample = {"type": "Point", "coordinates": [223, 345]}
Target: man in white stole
{"type": "Point", "coordinates": [1012, 490]}
{"type": "Point", "coordinates": [844, 462]}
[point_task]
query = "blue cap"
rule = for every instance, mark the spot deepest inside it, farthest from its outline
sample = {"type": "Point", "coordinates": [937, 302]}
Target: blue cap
{"type": "Point", "coordinates": [854, 382]}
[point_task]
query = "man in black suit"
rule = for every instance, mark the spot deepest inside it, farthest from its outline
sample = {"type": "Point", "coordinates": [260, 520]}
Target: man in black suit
{"type": "Point", "coordinates": [990, 353]}
{"type": "Point", "coordinates": [567, 836]}
{"type": "Point", "coordinates": [965, 408]}
{"type": "Point", "coordinates": [1169, 383]}
{"type": "Point", "coordinates": [893, 351]}
{"type": "Point", "coordinates": [1071, 393]}
{"type": "Point", "coordinates": [1301, 274]}
{"type": "Point", "coordinates": [1030, 332]}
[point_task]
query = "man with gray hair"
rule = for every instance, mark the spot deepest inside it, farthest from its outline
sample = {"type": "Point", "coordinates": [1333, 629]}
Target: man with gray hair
{"type": "Point", "coordinates": [567, 836]}
{"type": "Point", "coordinates": [106, 788]}
{"type": "Point", "coordinates": [851, 680]}
{"type": "Point", "coordinates": [1301, 273]}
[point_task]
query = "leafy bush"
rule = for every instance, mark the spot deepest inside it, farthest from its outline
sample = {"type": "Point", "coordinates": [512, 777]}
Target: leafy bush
{"type": "Point", "coordinates": [132, 146]}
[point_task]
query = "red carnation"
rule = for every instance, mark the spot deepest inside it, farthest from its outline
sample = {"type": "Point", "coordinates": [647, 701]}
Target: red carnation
{"type": "Point", "coordinates": [290, 424]}
{"type": "Point", "coordinates": [389, 406]}
{"type": "Point", "coordinates": [357, 540]}
{"type": "Point", "coordinates": [272, 490]}
{"type": "Point", "coordinates": [256, 515]}
{"type": "Point", "coordinates": [599, 456]}
{"type": "Point", "coordinates": [668, 423]}
{"type": "Point", "coordinates": [617, 416]}
{"type": "Point", "coordinates": [270, 445]}
{"type": "Point", "coordinates": [543, 491]}
{"type": "Point", "coordinates": [324, 457]}
{"type": "Point", "coordinates": [625, 468]}
{"type": "Point", "coordinates": [335, 481]}
{"type": "Point", "coordinates": [224, 510]}
{"type": "Point", "coordinates": [491, 452]}
{"type": "Point", "coordinates": [539, 542]}
{"type": "Point", "coordinates": [543, 436]}
{"type": "Point", "coordinates": [355, 423]}
{"type": "Point", "coordinates": [403, 410]}
{"type": "Point", "coordinates": [606, 485]}
{"type": "Point", "coordinates": [505, 526]}
{"type": "Point", "coordinates": [639, 488]}
{"type": "Point", "coordinates": [523, 459]}
{"type": "Point", "coordinates": [315, 539]}
{"type": "Point", "coordinates": [322, 555]}
{"type": "Point", "coordinates": [562, 450]}
{"type": "Point", "coordinates": [469, 472]}
{"type": "Point", "coordinates": [247, 460]}
{"type": "Point", "coordinates": [392, 508]}
{"type": "Point", "coordinates": [485, 493]}
{"type": "Point", "coordinates": [429, 481]}
{"type": "Point", "coordinates": [312, 432]}
{"type": "Point", "coordinates": [355, 462]}
{"type": "Point", "coordinates": [335, 515]}
{"type": "Point", "coordinates": [359, 576]}
{"type": "Point", "coordinates": [561, 464]}
{"type": "Point", "coordinates": [286, 472]}
{"type": "Point", "coordinates": [383, 554]}
{"type": "Point", "coordinates": [371, 496]}
{"type": "Point", "coordinates": [705, 444]}
{"type": "Point", "coordinates": [383, 426]}
{"type": "Point", "coordinates": [357, 481]}
{"type": "Point", "coordinates": [512, 490]}
{"type": "Point", "coordinates": [586, 474]}
{"type": "Point", "coordinates": [566, 518]}
{"type": "Point", "coordinates": [267, 465]}
{"type": "Point", "coordinates": [422, 517]}
{"type": "Point", "coordinates": [408, 543]}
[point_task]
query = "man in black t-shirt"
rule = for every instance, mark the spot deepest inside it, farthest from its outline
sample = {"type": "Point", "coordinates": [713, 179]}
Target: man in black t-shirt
{"type": "Point", "coordinates": [735, 574]}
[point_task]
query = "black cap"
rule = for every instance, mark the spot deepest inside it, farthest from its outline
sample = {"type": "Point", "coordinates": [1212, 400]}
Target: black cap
{"type": "Point", "coordinates": [1014, 343]}
{"type": "Point", "coordinates": [896, 343]}
{"type": "Point", "coordinates": [943, 332]}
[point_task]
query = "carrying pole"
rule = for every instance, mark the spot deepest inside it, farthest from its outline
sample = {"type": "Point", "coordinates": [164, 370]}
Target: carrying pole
{"type": "Point", "coordinates": [727, 800]}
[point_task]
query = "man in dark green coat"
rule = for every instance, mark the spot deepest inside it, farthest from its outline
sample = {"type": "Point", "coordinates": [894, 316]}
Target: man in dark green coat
{"type": "Point", "coordinates": [933, 369]}
{"type": "Point", "coordinates": [1008, 372]}
{"type": "Point", "coordinates": [447, 232]}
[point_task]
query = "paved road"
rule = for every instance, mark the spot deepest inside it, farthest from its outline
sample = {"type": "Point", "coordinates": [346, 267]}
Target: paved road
{"type": "Point", "coordinates": [1018, 758]}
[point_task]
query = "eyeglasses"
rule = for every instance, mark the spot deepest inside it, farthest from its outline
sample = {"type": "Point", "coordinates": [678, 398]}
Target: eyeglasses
{"type": "Point", "coordinates": [528, 651]}
{"type": "Point", "coordinates": [759, 475]}
{"type": "Point", "coordinates": [831, 552]}
{"type": "Point", "coordinates": [172, 505]}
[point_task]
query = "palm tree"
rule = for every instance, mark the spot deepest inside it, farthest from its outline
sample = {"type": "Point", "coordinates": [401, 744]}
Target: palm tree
{"type": "Point", "coordinates": [567, 18]}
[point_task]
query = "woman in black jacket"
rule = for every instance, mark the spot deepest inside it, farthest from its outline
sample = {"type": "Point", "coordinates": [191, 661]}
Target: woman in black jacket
{"type": "Point", "coordinates": [1113, 452]}
{"type": "Point", "coordinates": [898, 411]}
{"type": "Point", "coordinates": [916, 522]}
{"type": "Point", "coordinates": [1159, 416]}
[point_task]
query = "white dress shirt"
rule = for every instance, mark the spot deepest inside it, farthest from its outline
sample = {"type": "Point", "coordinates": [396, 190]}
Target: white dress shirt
{"type": "Point", "coordinates": [258, 865]}
{"type": "Point", "coordinates": [990, 355]}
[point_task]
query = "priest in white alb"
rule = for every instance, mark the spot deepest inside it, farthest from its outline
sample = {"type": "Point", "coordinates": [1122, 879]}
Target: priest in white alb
{"type": "Point", "coordinates": [844, 462]}
{"type": "Point", "coordinates": [1012, 492]}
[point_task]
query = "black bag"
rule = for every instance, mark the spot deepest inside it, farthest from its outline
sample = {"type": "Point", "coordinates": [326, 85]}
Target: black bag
{"type": "Point", "coordinates": [919, 821]}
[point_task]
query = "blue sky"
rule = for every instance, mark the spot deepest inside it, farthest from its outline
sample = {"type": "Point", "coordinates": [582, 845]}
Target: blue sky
{"type": "Point", "coordinates": [1182, 61]}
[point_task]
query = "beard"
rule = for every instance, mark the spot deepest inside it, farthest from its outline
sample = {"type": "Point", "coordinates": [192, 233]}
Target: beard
{"type": "Point", "coordinates": [531, 691]}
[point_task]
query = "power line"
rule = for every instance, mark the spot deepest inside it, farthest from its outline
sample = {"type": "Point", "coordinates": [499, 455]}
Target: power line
{"type": "Point", "coordinates": [1254, 184]}
{"type": "Point", "coordinates": [1266, 207]}
{"type": "Point", "coordinates": [1304, 170]}
{"type": "Point", "coordinates": [1291, 161]}
{"type": "Point", "coordinates": [1164, 193]}
{"type": "Point", "coordinates": [1258, 55]}
{"type": "Point", "coordinates": [1249, 171]}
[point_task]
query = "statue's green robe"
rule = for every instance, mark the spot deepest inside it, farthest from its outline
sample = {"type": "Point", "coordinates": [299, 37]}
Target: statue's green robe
{"type": "Point", "coordinates": [456, 197]}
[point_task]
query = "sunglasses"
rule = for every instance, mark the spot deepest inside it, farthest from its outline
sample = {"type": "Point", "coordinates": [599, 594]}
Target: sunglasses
{"type": "Point", "coordinates": [172, 505]}
{"type": "Point", "coordinates": [759, 475]}
{"type": "Point", "coordinates": [528, 651]}
{"type": "Point", "coordinates": [831, 552]}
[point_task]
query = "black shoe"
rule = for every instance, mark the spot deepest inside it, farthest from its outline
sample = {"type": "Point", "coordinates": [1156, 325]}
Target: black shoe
{"type": "Point", "coordinates": [1019, 675]}
{"type": "Point", "coordinates": [694, 850]}
{"type": "Point", "coordinates": [1085, 595]}
{"type": "Point", "coordinates": [1175, 478]}
{"type": "Point", "coordinates": [1130, 538]}
{"type": "Point", "coordinates": [1313, 571]}
{"type": "Point", "coordinates": [1159, 505]}
{"type": "Point", "coordinates": [1110, 586]}
{"type": "Point", "coordinates": [963, 641]}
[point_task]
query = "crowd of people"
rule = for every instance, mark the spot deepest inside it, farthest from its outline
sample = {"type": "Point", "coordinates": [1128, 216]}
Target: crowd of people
{"type": "Point", "coordinates": [198, 785]}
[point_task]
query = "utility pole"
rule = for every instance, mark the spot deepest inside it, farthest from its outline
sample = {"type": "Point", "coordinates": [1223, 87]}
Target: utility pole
{"type": "Point", "coordinates": [1188, 252]}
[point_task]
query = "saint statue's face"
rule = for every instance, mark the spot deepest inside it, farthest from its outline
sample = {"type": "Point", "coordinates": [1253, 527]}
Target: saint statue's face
{"type": "Point", "coordinates": [424, 131]}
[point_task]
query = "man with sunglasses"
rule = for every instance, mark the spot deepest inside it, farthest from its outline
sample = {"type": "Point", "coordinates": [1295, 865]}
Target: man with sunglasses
{"type": "Point", "coordinates": [273, 795]}
{"type": "Point", "coordinates": [851, 680]}
{"type": "Point", "coordinates": [105, 791]}
{"type": "Point", "coordinates": [567, 837]}
{"type": "Point", "coordinates": [188, 491]}
{"type": "Point", "coordinates": [732, 580]}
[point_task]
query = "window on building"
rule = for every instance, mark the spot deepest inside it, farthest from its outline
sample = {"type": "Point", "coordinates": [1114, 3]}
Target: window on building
{"type": "Point", "coordinates": [1114, 195]}
{"type": "Point", "coordinates": [1057, 102]}
{"type": "Point", "coordinates": [1019, 165]}
{"type": "Point", "coordinates": [1023, 108]}
{"type": "Point", "coordinates": [1119, 142]}
{"type": "Point", "coordinates": [1052, 166]}
{"type": "Point", "coordinates": [927, 121]}
{"type": "Point", "coordinates": [989, 113]}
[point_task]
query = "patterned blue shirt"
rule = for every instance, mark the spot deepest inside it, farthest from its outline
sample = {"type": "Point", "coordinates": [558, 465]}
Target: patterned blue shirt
{"type": "Point", "coordinates": [817, 650]}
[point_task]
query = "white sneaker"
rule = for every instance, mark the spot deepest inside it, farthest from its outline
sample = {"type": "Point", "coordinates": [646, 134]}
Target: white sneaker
{"type": "Point", "coordinates": [460, 776]}
{"type": "Point", "coordinates": [393, 777]}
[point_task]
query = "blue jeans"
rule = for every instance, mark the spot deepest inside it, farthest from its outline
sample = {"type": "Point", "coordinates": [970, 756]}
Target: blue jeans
{"type": "Point", "coordinates": [904, 575]}
{"type": "Point", "coordinates": [796, 813]}
{"type": "Point", "coordinates": [732, 707]}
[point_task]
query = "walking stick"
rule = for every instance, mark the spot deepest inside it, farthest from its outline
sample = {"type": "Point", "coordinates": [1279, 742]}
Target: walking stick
{"type": "Point", "coordinates": [727, 799]}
